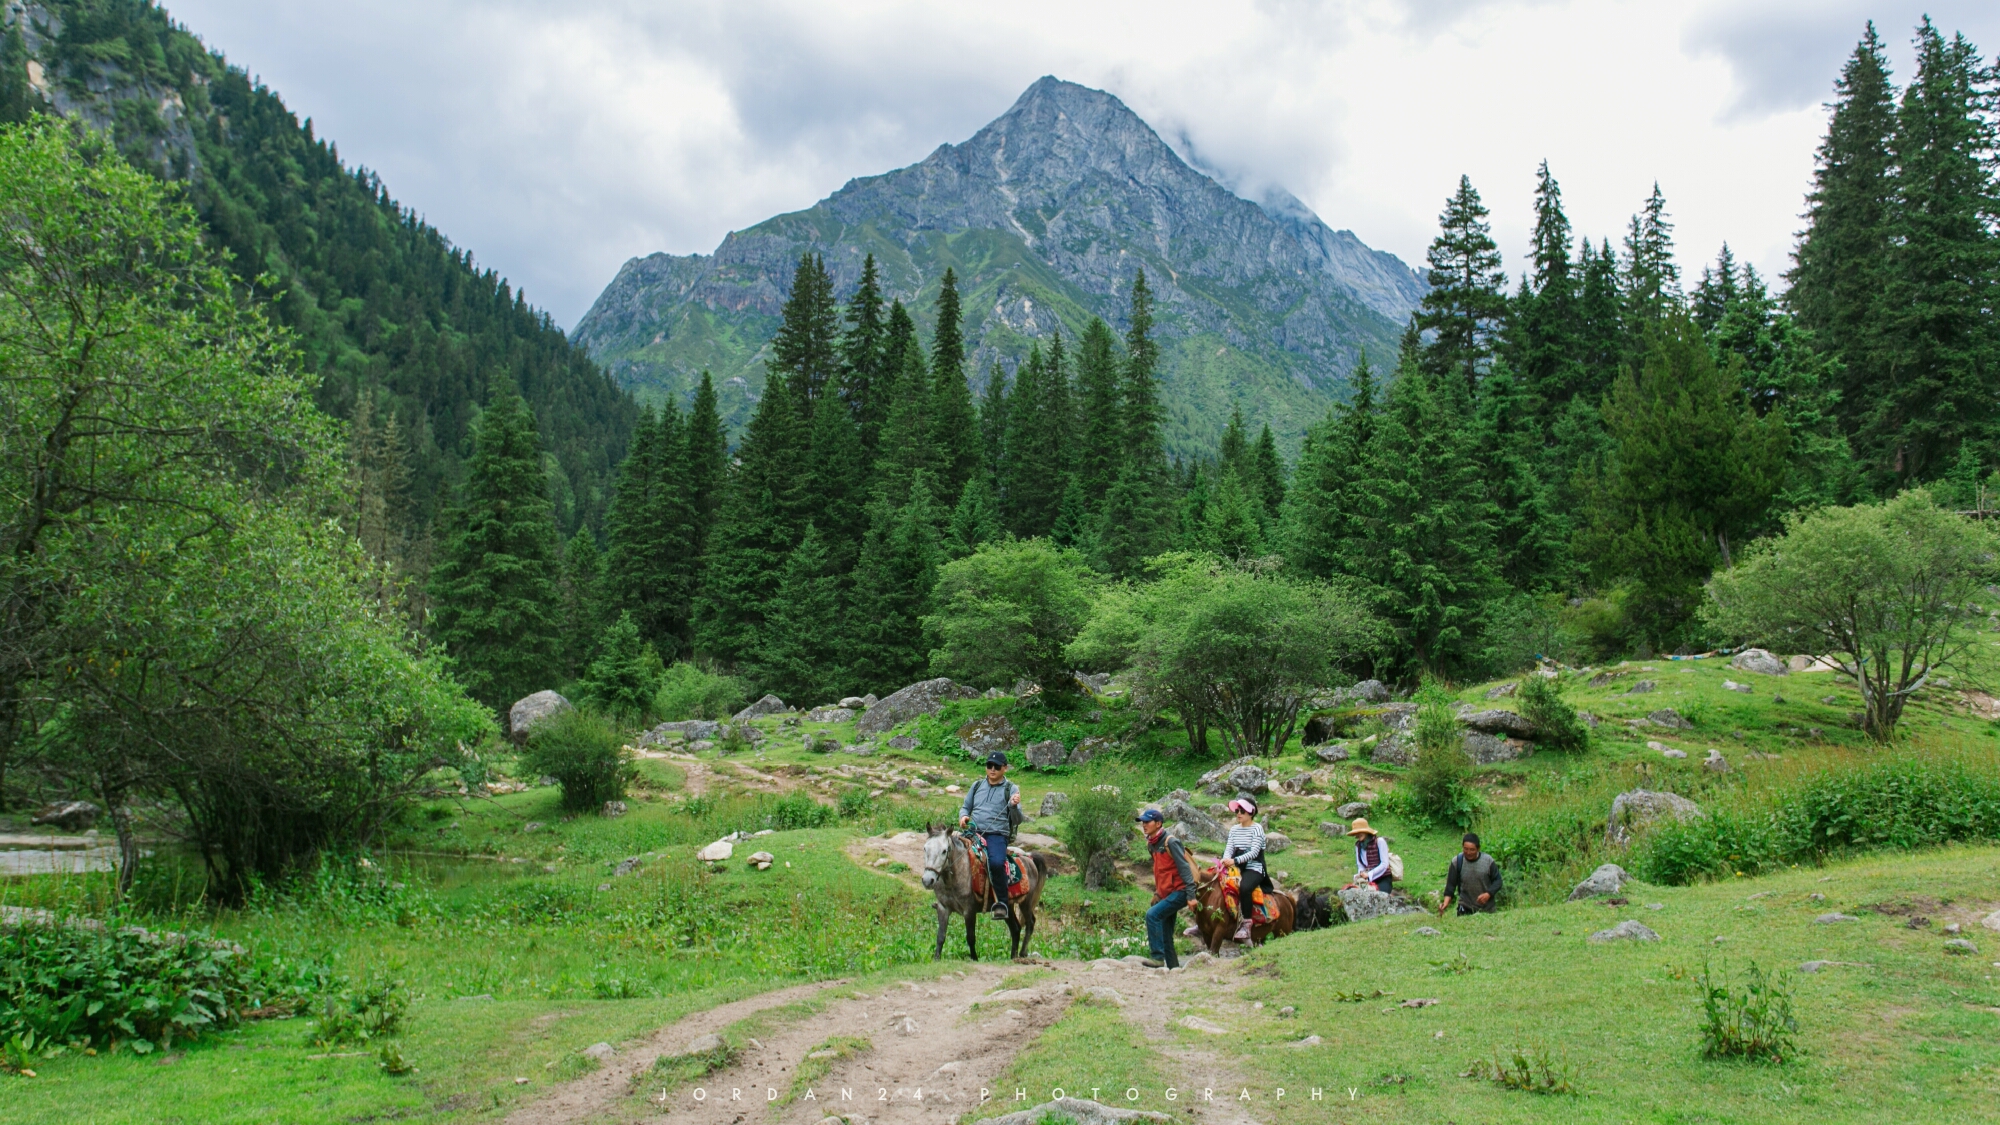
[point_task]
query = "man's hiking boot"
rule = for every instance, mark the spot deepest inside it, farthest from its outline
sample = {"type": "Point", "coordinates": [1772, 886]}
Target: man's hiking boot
{"type": "Point", "coordinates": [1153, 963]}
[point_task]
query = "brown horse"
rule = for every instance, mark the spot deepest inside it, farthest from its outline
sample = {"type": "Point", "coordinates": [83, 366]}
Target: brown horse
{"type": "Point", "coordinates": [949, 859]}
{"type": "Point", "coordinates": [1216, 922]}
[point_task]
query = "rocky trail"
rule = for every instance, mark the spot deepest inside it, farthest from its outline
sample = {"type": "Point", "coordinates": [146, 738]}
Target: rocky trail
{"type": "Point", "coordinates": [916, 1052]}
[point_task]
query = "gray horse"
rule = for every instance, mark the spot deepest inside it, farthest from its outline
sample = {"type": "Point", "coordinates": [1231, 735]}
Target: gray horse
{"type": "Point", "coordinates": [948, 862]}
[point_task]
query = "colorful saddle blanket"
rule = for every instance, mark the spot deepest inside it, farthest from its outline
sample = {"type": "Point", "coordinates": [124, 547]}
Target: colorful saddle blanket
{"type": "Point", "coordinates": [1017, 874]}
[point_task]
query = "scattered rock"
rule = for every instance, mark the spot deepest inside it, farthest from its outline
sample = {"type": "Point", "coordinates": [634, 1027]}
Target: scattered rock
{"type": "Point", "coordinates": [926, 697]}
{"type": "Point", "coordinates": [1606, 880]}
{"type": "Point", "coordinates": [1330, 753]}
{"type": "Point", "coordinates": [821, 742]}
{"type": "Point", "coordinates": [856, 703]}
{"type": "Point", "coordinates": [1042, 755]}
{"type": "Point", "coordinates": [1081, 1111]}
{"type": "Point", "coordinates": [1715, 762]}
{"type": "Point", "coordinates": [762, 860]}
{"type": "Point", "coordinates": [1196, 1023]}
{"type": "Point", "coordinates": [1333, 828]}
{"type": "Point", "coordinates": [1668, 717]}
{"type": "Point", "coordinates": [1108, 995]}
{"type": "Point", "coordinates": [829, 715]}
{"type": "Point", "coordinates": [1641, 688]}
{"type": "Point", "coordinates": [599, 1051]}
{"type": "Point", "coordinates": [531, 711]}
{"type": "Point", "coordinates": [1308, 1041]}
{"type": "Point", "coordinates": [1053, 802]}
{"type": "Point", "coordinates": [1991, 921]}
{"type": "Point", "coordinates": [612, 810]}
{"type": "Point", "coordinates": [1090, 748]}
{"type": "Point", "coordinates": [70, 816]}
{"type": "Point", "coordinates": [1732, 685]}
{"type": "Point", "coordinates": [904, 1025]}
{"type": "Point", "coordinates": [1239, 776]}
{"type": "Point", "coordinates": [1363, 903]}
{"type": "Point", "coordinates": [1627, 930]}
{"type": "Point", "coordinates": [628, 866]}
{"type": "Point", "coordinates": [1486, 749]}
{"type": "Point", "coordinates": [1426, 931]}
{"type": "Point", "coordinates": [1352, 809]}
{"type": "Point", "coordinates": [1634, 809]}
{"type": "Point", "coordinates": [1507, 724]}
{"type": "Point", "coordinates": [1758, 661]}
{"type": "Point", "coordinates": [1835, 916]}
{"type": "Point", "coordinates": [769, 705]}
{"type": "Point", "coordinates": [1275, 842]}
{"type": "Point", "coordinates": [1587, 719]}
{"type": "Point", "coordinates": [703, 1045]}
{"type": "Point", "coordinates": [988, 733]}
{"type": "Point", "coordinates": [1960, 946]}
{"type": "Point", "coordinates": [1602, 678]}
{"type": "Point", "coordinates": [1502, 691]}
{"type": "Point", "coordinates": [903, 742]}
{"type": "Point", "coordinates": [1297, 785]}
{"type": "Point", "coordinates": [602, 887]}
{"type": "Point", "coordinates": [1421, 1002]}
{"type": "Point", "coordinates": [716, 852]}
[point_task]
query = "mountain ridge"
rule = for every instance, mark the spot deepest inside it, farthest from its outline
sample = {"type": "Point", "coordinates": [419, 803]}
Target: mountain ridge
{"type": "Point", "coordinates": [1045, 213]}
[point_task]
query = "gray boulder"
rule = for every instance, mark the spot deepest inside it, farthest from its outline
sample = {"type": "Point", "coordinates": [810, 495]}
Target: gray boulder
{"type": "Point", "coordinates": [1502, 691]}
{"type": "Point", "coordinates": [1042, 755]}
{"type": "Point", "coordinates": [686, 730]}
{"type": "Point", "coordinates": [1758, 661]}
{"type": "Point", "coordinates": [1485, 749]}
{"type": "Point", "coordinates": [1506, 724]}
{"type": "Point", "coordinates": [1363, 903]}
{"type": "Point", "coordinates": [1604, 881]}
{"type": "Point", "coordinates": [1297, 785]}
{"type": "Point", "coordinates": [1732, 685]}
{"type": "Point", "coordinates": [855, 703]}
{"type": "Point", "coordinates": [1332, 828]}
{"type": "Point", "coordinates": [1715, 762]}
{"type": "Point", "coordinates": [1090, 748]}
{"type": "Point", "coordinates": [1641, 688]}
{"type": "Point", "coordinates": [1053, 802]}
{"type": "Point", "coordinates": [1193, 824]}
{"type": "Point", "coordinates": [769, 705]}
{"type": "Point", "coordinates": [1330, 753]}
{"type": "Point", "coordinates": [1960, 946]}
{"type": "Point", "coordinates": [527, 713]}
{"type": "Point", "coordinates": [1634, 809]}
{"type": "Point", "coordinates": [1627, 930]}
{"type": "Point", "coordinates": [612, 810]}
{"type": "Point", "coordinates": [902, 742]}
{"type": "Point", "coordinates": [70, 816]}
{"type": "Point", "coordinates": [1834, 917]}
{"type": "Point", "coordinates": [988, 733]}
{"type": "Point", "coordinates": [1249, 779]}
{"type": "Point", "coordinates": [868, 700]}
{"type": "Point", "coordinates": [626, 867]}
{"type": "Point", "coordinates": [1670, 718]}
{"type": "Point", "coordinates": [926, 697]}
{"type": "Point", "coordinates": [1367, 691]}
{"type": "Point", "coordinates": [1275, 842]}
{"type": "Point", "coordinates": [821, 742]}
{"type": "Point", "coordinates": [1394, 750]}
{"type": "Point", "coordinates": [1223, 779]}
{"type": "Point", "coordinates": [1092, 682]}
{"type": "Point", "coordinates": [829, 715]}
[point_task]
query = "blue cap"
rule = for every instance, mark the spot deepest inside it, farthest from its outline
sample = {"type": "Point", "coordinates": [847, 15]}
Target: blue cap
{"type": "Point", "coordinates": [996, 761]}
{"type": "Point", "coordinates": [1151, 814]}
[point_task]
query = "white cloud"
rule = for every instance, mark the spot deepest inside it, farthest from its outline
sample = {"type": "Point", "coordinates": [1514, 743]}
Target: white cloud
{"type": "Point", "coordinates": [556, 141]}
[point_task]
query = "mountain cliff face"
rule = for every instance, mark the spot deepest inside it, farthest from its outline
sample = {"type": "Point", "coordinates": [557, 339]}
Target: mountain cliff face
{"type": "Point", "coordinates": [1045, 214]}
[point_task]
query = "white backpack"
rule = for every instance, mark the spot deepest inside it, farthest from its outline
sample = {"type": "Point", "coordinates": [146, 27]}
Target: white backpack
{"type": "Point", "coordinates": [1395, 864]}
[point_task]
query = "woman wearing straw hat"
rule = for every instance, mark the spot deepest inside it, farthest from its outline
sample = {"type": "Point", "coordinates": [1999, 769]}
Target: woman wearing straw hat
{"type": "Point", "coordinates": [1371, 857]}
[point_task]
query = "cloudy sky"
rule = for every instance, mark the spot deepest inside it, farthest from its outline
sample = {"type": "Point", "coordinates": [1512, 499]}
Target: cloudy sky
{"type": "Point", "coordinates": [558, 140]}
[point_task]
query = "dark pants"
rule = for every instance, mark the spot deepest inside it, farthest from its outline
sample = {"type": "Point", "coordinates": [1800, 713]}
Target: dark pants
{"type": "Point", "coordinates": [996, 864]}
{"type": "Point", "coordinates": [1385, 884]}
{"type": "Point", "coordinates": [1160, 919]}
{"type": "Point", "coordinates": [1245, 900]}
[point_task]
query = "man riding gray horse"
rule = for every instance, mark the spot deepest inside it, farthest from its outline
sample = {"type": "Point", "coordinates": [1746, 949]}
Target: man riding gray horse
{"type": "Point", "coordinates": [992, 809]}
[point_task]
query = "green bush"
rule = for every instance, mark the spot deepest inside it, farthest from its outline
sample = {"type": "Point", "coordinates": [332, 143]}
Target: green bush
{"type": "Point", "coordinates": [791, 812]}
{"type": "Point", "coordinates": [688, 692]}
{"type": "Point", "coordinates": [586, 755]}
{"type": "Point", "coordinates": [359, 1015]}
{"type": "Point", "coordinates": [68, 984]}
{"type": "Point", "coordinates": [1755, 1023]}
{"type": "Point", "coordinates": [1556, 724]}
{"type": "Point", "coordinates": [1096, 822]}
{"type": "Point", "coordinates": [624, 679]}
{"type": "Point", "coordinates": [1438, 784]}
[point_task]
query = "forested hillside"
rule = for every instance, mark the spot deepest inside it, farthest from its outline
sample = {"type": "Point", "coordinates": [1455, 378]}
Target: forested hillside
{"type": "Point", "coordinates": [407, 334]}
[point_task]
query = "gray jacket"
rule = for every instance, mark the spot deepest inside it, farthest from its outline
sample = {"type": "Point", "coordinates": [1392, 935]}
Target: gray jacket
{"type": "Point", "coordinates": [987, 806]}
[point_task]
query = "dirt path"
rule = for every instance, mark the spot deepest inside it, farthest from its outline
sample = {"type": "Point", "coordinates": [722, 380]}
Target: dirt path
{"type": "Point", "coordinates": [931, 1046]}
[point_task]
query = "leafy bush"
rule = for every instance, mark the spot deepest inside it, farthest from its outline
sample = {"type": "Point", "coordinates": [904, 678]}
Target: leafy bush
{"type": "Point", "coordinates": [854, 802]}
{"type": "Point", "coordinates": [1754, 1024]}
{"type": "Point", "coordinates": [688, 692]}
{"type": "Point", "coordinates": [584, 753]}
{"type": "Point", "coordinates": [359, 1015]}
{"type": "Point", "coordinates": [1008, 611]}
{"type": "Point", "coordinates": [1556, 724]}
{"type": "Point", "coordinates": [62, 983]}
{"type": "Point", "coordinates": [1438, 787]}
{"type": "Point", "coordinates": [1096, 822]}
{"type": "Point", "coordinates": [1533, 1070]}
{"type": "Point", "coordinates": [791, 812]}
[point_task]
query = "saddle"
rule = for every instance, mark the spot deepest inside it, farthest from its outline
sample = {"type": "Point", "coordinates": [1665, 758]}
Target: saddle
{"type": "Point", "coordinates": [1232, 880]}
{"type": "Point", "coordinates": [1017, 873]}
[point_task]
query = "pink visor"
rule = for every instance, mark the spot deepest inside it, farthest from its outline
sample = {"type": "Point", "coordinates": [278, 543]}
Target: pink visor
{"type": "Point", "coordinates": [1241, 805]}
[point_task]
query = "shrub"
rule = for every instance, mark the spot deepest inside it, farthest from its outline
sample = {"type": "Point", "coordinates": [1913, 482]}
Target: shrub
{"type": "Point", "coordinates": [584, 753]}
{"type": "Point", "coordinates": [62, 983]}
{"type": "Point", "coordinates": [793, 811]}
{"type": "Point", "coordinates": [1556, 724]}
{"type": "Point", "coordinates": [854, 802]}
{"type": "Point", "coordinates": [1437, 781]}
{"type": "Point", "coordinates": [1533, 1070]}
{"type": "Point", "coordinates": [1096, 822]}
{"type": "Point", "coordinates": [1754, 1024]}
{"type": "Point", "coordinates": [688, 692]}
{"type": "Point", "coordinates": [625, 676]}
{"type": "Point", "coordinates": [1008, 611]}
{"type": "Point", "coordinates": [361, 1015]}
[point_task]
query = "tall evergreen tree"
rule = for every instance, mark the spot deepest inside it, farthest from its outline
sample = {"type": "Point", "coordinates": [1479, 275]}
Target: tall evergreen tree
{"type": "Point", "coordinates": [1843, 260]}
{"type": "Point", "coordinates": [1650, 281]}
{"type": "Point", "coordinates": [1544, 339]}
{"type": "Point", "coordinates": [836, 480]}
{"type": "Point", "coordinates": [1714, 293]}
{"type": "Point", "coordinates": [1531, 530]}
{"type": "Point", "coordinates": [799, 652]}
{"type": "Point", "coordinates": [993, 422]}
{"type": "Point", "coordinates": [1140, 388]}
{"type": "Point", "coordinates": [1320, 507]}
{"type": "Point", "coordinates": [582, 614]}
{"type": "Point", "coordinates": [1467, 299]}
{"type": "Point", "coordinates": [955, 420]}
{"type": "Point", "coordinates": [864, 358]}
{"type": "Point", "coordinates": [1100, 413]}
{"type": "Point", "coordinates": [1035, 463]}
{"type": "Point", "coordinates": [1137, 520]}
{"type": "Point", "coordinates": [806, 349]}
{"type": "Point", "coordinates": [1943, 372]}
{"type": "Point", "coordinates": [1234, 452]}
{"type": "Point", "coordinates": [707, 460]}
{"type": "Point", "coordinates": [1267, 471]}
{"type": "Point", "coordinates": [650, 564]}
{"type": "Point", "coordinates": [495, 604]}
{"type": "Point", "coordinates": [1233, 522]}
{"type": "Point", "coordinates": [1600, 321]}
{"type": "Point", "coordinates": [892, 589]}
{"type": "Point", "coordinates": [975, 520]}
{"type": "Point", "coordinates": [909, 437]}
{"type": "Point", "coordinates": [1074, 517]}
{"type": "Point", "coordinates": [762, 514]}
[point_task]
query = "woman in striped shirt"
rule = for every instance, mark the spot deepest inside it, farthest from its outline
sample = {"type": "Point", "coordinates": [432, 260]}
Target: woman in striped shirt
{"type": "Point", "coordinates": [1245, 848]}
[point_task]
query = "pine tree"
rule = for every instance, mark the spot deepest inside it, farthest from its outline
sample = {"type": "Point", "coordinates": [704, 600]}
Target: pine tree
{"type": "Point", "coordinates": [1600, 321]}
{"type": "Point", "coordinates": [650, 533]}
{"type": "Point", "coordinates": [1531, 530]}
{"type": "Point", "coordinates": [1319, 520]}
{"type": "Point", "coordinates": [799, 651]}
{"type": "Point", "coordinates": [955, 420]}
{"type": "Point", "coordinates": [1074, 518]}
{"type": "Point", "coordinates": [1137, 520]}
{"type": "Point", "coordinates": [975, 520]}
{"type": "Point", "coordinates": [864, 358]}
{"type": "Point", "coordinates": [1232, 525]}
{"type": "Point", "coordinates": [1100, 414]}
{"type": "Point", "coordinates": [707, 460]}
{"type": "Point", "coordinates": [993, 421]}
{"type": "Point", "coordinates": [1267, 471]}
{"type": "Point", "coordinates": [762, 515]}
{"type": "Point", "coordinates": [806, 348]}
{"type": "Point", "coordinates": [582, 616]}
{"type": "Point", "coordinates": [1467, 298]}
{"type": "Point", "coordinates": [909, 437]}
{"type": "Point", "coordinates": [1234, 452]}
{"type": "Point", "coordinates": [836, 480]}
{"type": "Point", "coordinates": [1140, 387]}
{"type": "Point", "coordinates": [624, 671]}
{"type": "Point", "coordinates": [1843, 260]}
{"type": "Point", "coordinates": [1035, 461]}
{"type": "Point", "coordinates": [1545, 337]}
{"type": "Point", "coordinates": [1715, 292]}
{"type": "Point", "coordinates": [493, 592]}
{"type": "Point", "coordinates": [1943, 372]}
{"type": "Point", "coordinates": [892, 588]}
{"type": "Point", "coordinates": [1650, 281]}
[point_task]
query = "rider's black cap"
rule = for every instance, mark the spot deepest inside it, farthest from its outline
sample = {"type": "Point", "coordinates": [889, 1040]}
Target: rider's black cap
{"type": "Point", "coordinates": [996, 761]}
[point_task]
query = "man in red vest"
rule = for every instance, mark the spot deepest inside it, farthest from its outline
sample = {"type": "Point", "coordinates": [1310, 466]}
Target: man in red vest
{"type": "Point", "coordinates": [1173, 877]}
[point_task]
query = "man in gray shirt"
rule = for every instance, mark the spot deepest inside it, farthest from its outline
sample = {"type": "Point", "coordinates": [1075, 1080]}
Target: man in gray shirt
{"type": "Point", "coordinates": [985, 812]}
{"type": "Point", "coordinates": [1474, 880]}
